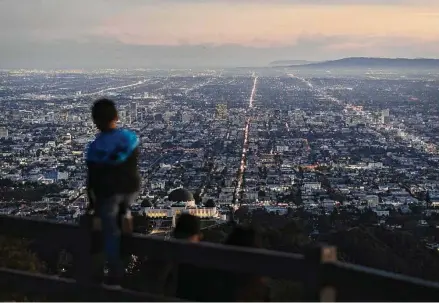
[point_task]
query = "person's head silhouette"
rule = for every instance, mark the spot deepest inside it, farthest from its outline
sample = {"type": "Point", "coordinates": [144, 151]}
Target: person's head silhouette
{"type": "Point", "coordinates": [104, 114]}
{"type": "Point", "coordinates": [188, 227]}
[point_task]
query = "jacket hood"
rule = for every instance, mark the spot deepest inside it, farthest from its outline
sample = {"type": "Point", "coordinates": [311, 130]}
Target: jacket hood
{"type": "Point", "coordinates": [112, 147]}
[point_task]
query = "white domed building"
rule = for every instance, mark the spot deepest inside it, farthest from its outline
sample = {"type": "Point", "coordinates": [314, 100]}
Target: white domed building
{"type": "Point", "coordinates": [181, 201]}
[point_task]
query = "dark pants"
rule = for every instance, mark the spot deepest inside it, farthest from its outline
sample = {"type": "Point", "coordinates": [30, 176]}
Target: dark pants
{"type": "Point", "coordinates": [110, 209]}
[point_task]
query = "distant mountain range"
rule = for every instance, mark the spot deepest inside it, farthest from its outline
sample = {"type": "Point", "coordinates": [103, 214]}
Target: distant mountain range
{"type": "Point", "coordinates": [362, 62]}
{"type": "Point", "coordinates": [290, 62]}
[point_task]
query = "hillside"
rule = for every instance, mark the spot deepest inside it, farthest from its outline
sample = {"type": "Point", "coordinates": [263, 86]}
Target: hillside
{"type": "Point", "coordinates": [389, 63]}
{"type": "Point", "coordinates": [372, 246]}
{"type": "Point", "coordinates": [392, 251]}
{"type": "Point", "coordinates": [290, 62]}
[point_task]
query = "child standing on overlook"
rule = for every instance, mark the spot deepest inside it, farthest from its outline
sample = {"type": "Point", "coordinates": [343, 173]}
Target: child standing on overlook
{"type": "Point", "coordinates": [113, 179]}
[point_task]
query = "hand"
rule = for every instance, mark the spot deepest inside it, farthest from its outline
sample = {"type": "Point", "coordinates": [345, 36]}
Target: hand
{"type": "Point", "coordinates": [90, 207]}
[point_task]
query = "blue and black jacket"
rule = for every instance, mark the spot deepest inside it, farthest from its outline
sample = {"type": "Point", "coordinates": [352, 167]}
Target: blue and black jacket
{"type": "Point", "coordinates": [112, 163]}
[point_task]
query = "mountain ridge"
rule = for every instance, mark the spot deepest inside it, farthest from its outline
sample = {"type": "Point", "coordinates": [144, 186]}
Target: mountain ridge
{"type": "Point", "coordinates": [373, 62]}
{"type": "Point", "coordinates": [291, 62]}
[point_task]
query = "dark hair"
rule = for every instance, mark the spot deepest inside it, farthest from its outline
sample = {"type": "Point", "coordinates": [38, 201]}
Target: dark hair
{"type": "Point", "coordinates": [103, 113]}
{"type": "Point", "coordinates": [187, 226]}
{"type": "Point", "coordinates": [242, 287]}
{"type": "Point", "coordinates": [243, 236]}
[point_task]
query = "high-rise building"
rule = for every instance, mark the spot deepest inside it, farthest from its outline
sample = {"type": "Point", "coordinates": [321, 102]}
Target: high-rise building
{"type": "Point", "coordinates": [221, 111]}
{"type": "Point", "coordinates": [385, 115]}
{"type": "Point", "coordinates": [122, 114]}
{"type": "Point", "coordinates": [64, 116]}
{"type": "Point", "coordinates": [141, 114]}
{"type": "Point", "coordinates": [3, 132]}
{"type": "Point", "coordinates": [133, 111]}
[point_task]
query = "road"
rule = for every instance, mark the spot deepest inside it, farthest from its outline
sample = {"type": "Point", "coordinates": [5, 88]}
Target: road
{"type": "Point", "coordinates": [252, 95]}
{"type": "Point", "coordinates": [245, 143]}
{"type": "Point", "coordinates": [114, 88]}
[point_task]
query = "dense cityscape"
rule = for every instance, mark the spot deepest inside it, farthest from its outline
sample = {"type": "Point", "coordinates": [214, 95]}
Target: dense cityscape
{"type": "Point", "coordinates": [234, 137]}
{"type": "Point", "coordinates": [337, 149]}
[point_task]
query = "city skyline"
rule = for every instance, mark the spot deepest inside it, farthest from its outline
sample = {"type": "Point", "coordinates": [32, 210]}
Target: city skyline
{"type": "Point", "coordinates": [211, 33]}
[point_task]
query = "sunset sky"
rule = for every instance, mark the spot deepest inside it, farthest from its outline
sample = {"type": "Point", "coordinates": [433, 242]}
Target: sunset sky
{"type": "Point", "coordinates": [228, 32]}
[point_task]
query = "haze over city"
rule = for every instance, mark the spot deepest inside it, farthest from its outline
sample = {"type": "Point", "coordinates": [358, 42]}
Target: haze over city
{"type": "Point", "coordinates": [214, 33]}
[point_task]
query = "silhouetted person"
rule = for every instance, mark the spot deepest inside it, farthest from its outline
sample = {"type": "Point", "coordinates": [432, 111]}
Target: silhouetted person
{"type": "Point", "coordinates": [192, 282]}
{"type": "Point", "coordinates": [113, 179]}
{"type": "Point", "coordinates": [164, 277]}
{"type": "Point", "coordinates": [188, 227]}
{"type": "Point", "coordinates": [243, 287]}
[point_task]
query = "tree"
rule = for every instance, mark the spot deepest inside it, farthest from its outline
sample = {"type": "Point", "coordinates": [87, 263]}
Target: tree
{"type": "Point", "coordinates": [210, 203]}
{"type": "Point", "coordinates": [15, 254]}
{"type": "Point", "coordinates": [242, 213]}
{"type": "Point", "coordinates": [315, 197]}
{"type": "Point", "coordinates": [197, 197]}
{"type": "Point", "coordinates": [410, 224]}
{"type": "Point", "coordinates": [325, 182]}
{"type": "Point", "coordinates": [428, 198]}
{"type": "Point", "coordinates": [415, 208]}
{"type": "Point", "coordinates": [146, 203]}
{"type": "Point", "coordinates": [214, 236]}
{"type": "Point", "coordinates": [324, 225]}
{"type": "Point", "coordinates": [369, 217]}
{"type": "Point", "coordinates": [333, 216]}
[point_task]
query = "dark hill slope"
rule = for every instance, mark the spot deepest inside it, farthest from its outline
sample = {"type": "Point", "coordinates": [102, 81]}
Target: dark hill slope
{"type": "Point", "coordinates": [393, 251]}
{"type": "Point", "coordinates": [387, 63]}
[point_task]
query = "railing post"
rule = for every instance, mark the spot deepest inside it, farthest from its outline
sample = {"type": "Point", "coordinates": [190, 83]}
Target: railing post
{"type": "Point", "coordinates": [83, 261]}
{"type": "Point", "coordinates": [318, 281]}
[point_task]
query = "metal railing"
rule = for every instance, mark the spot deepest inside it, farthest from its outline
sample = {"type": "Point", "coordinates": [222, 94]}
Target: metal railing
{"type": "Point", "coordinates": [323, 277]}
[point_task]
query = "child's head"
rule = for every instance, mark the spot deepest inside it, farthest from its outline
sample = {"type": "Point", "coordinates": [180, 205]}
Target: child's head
{"type": "Point", "coordinates": [104, 114]}
{"type": "Point", "coordinates": [188, 228]}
